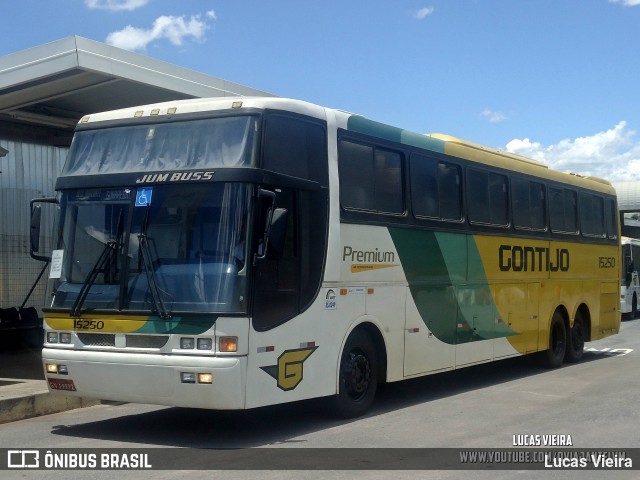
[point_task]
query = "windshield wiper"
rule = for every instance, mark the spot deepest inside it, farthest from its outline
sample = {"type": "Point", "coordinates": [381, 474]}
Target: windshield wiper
{"type": "Point", "coordinates": [151, 276]}
{"type": "Point", "coordinates": [104, 264]}
{"type": "Point", "coordinates": [147, 261]}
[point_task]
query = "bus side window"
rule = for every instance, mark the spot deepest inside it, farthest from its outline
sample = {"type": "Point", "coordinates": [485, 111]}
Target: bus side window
{"type": "Point", "coordinates": [357, 187]}
{"type": "Point", "coordinates": [563, 211]}
{"type": "Point", "coordinates": [371, 178]}
{"type": "Point", "coordinates": [436, 189]}
{"type": "Point", "coordinates": [592, 215]}
{"type": "Point", "coordinates": [612, 218]}
{"type": "Point", "coordinates": [488, 196]}
{"type": "Point", "coordinates": [296, 147]}
{"type": "Point", "coordinates": [529, 204]}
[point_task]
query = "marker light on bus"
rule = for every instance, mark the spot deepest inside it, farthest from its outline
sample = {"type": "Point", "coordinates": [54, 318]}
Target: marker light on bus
{"type": "Point", "coordinates": [55, 368]}
{"type": "Point", "coordinates": [190, 377]}
{"type": "Point", "coordinates": [228, 344]}
{"type": "Point", "coordinates": [187, 343]}
{"type": "Point", "coordinates": [205, 344]}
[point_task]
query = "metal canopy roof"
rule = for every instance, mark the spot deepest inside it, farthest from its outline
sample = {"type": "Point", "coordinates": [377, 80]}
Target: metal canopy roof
{"type": "Point", "coordinates": [55, 84]}
{"type": "Point", "coordinates": [628, 196]}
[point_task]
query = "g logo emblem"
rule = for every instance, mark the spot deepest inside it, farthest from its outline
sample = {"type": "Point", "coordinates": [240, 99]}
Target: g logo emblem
{"type": "Point", "coordinates": [289, 372]}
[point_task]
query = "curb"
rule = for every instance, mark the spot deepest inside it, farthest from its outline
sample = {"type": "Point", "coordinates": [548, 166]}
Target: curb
{"type": "Point", "coordinates": [37, 404]}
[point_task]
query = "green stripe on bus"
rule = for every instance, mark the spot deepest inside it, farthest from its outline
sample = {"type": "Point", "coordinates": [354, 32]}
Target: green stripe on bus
{"type": "Point", "coordinates": [448, 285]}
{"type": "Point", "coordinates": [375, 129]}
{"type": "Point", "coordinates": [181, 325]}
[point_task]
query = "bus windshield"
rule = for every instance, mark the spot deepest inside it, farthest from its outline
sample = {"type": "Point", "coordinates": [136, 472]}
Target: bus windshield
{"type": "Point", "coordinates": [163, 249]}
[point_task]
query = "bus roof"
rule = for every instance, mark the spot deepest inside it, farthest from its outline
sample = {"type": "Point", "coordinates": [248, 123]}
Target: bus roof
{"type": "Point", "coordinates": [483, 148]}
{"type": "Point", "coordinates": [436, 142]}
{"type": "Point", "coordinates": [201, 105]}
{"type": "Point", "coordinates": [511, 161]}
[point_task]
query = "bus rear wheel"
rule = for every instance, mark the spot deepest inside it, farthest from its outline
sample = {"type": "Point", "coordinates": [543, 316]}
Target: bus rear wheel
{"type": "Point", "coordinates": [575, 345]}
{"type": "Point", "coordinates": [358, 376]}
{"type": "Point", "coordinates": [554, 355]}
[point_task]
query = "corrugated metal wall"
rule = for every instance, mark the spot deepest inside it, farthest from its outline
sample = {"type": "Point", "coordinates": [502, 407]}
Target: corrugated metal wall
{"type": "Point", "coordinates": [28, 171]}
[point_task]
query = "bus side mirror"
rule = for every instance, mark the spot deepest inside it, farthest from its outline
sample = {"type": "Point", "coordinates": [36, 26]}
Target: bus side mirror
{"type": "Point", "coordinates": [36, 214]}
{"type": "Point", "coordinates": [275, 228]}
{"type": "Point", "coordinates": [278, 232]}
{"type": "Point", "coordinates": [34, 231]}
{"type": "Point", "coordinates": [265, 196]}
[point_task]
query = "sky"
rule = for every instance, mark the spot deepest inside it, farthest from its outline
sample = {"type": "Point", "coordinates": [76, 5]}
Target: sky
{"type": "Point", "coordinates": [554, 80]}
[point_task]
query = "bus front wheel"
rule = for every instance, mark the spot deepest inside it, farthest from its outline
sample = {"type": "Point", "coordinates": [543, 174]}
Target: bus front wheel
{"type": "Point", "coordinates": [554, 355]}
{"type": "Point", "coordinates": [358, 376]}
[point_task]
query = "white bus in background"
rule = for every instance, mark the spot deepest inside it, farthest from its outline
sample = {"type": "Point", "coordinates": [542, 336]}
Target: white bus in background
{"type": "Point", "coordinates": [629, 286]}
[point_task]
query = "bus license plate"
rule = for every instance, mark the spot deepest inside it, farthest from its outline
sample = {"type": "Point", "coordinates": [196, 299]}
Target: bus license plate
{"type": "Point", "coordinates": [61, 384]}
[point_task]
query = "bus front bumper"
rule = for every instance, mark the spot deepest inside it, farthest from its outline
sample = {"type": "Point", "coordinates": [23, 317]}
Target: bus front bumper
{"type": "Point", "coordinates": [148, 378]}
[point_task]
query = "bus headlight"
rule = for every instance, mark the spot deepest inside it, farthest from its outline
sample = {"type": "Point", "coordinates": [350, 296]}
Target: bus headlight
{"type": "Point", "coordinates": [65, 337]}
{"type": "Point", "coordinates": [187, 343]}
{"type": "Point", "coordinates": [205, 344]}
{"type": "Point", "coordinates": [52, 337]}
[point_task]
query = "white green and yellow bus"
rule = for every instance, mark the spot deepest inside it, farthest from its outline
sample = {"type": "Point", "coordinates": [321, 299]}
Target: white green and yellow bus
{"type": "Point", "coordinates": [241, 252]}
{"type": "Point", "coordinates": [630, 284]}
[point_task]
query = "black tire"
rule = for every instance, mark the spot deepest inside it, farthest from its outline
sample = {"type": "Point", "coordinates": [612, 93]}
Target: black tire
{"type": "Point", "coordinates": [575, 344]}
{"type": "Point", "coordinates": [358, 376]}
{"type": "Point", "coordinates": [553, 356]}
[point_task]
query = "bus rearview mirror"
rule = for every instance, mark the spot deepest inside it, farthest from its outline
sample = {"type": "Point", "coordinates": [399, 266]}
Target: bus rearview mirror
{"type": "Point", "coordinates": [34, 230]}
{"type": "Point", "coordinates": [277, 232]}
{"type": "Point", "coordinates": [36, 214]}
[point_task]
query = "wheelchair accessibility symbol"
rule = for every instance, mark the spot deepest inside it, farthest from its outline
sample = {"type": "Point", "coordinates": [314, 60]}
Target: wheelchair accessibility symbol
{"type": "Point", "coordinates": [143, 197]}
